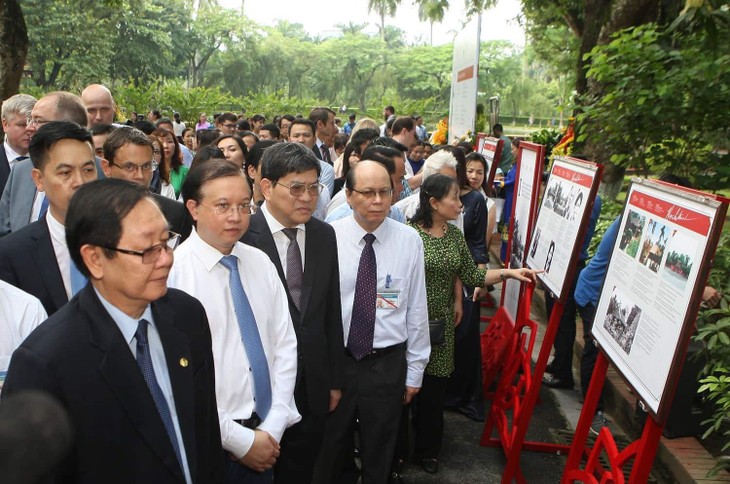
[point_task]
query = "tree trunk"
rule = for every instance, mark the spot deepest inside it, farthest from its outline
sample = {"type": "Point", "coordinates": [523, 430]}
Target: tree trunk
{"type": "Point", "coordinates": [14, 39]}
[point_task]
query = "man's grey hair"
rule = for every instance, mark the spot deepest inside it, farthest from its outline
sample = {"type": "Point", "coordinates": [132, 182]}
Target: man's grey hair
{"type": "Point", "coordinates": [18, 104]}
{"type": "Point", "coordinates": [436, 161]}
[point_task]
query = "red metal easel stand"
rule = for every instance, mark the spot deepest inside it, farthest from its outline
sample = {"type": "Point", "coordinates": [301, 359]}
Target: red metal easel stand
{"type": "Point", "coordinates": [641, 452]}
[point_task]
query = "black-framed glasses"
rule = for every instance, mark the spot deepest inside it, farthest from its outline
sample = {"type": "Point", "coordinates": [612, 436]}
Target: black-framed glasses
{"type": "Point", "coordinates": [228, 209]}
{"type": "Point", "coordinates": [133, 168]}
{"type": "Point", "coordinates": [152, 254]}
{"type": "Point", "coordinates": [296, 190]}
{"type": "Point", "coordinates": [369, 194]}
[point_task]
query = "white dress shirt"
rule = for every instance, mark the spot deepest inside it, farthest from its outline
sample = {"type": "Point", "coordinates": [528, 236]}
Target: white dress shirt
{"type": "Point", "coordinates": [399, 255]}
{"type": "Point", "coordinates": [20, 314]}
{"type": "Point", "coordinates": [321, 211]}
{"type": "Point", "coordinates": [280, 238]}
{"type": "Point", "coordinates": [197, 271]}
{"type": "Point", "coordinates": [128, 327]}
{"type": "Point", "coordinates": [63, 257]}
{"type": "Point", "coordinates": [35, 212]}
{"type": "Point", "coordinates": [340, 198]}
{"type": "Point", "coordinates": [11, 155]}
{"type": "Point", "coordinates": [327, 176]}
{"type": "Point", "coordinates": [410, 204]}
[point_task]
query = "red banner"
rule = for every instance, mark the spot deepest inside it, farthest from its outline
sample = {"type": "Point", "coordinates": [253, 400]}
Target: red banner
{"type": "Point", "coordinates": [465, 74]}
{"type": "Point", "coordinates": [573, 176]}
{"type": "Point", "coordinates": [681, 216]}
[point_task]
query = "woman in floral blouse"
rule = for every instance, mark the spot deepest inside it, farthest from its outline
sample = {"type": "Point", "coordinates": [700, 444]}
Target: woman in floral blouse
{"type": "Point", "coordinates": [447, 257]}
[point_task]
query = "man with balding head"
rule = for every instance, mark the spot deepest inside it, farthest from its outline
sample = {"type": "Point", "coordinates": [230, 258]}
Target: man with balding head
{"type": "Point", "coordinates": [384, 323]}
{"type": "Point", "coordinates": [99, 103]}
{"type": "Point", "coordinates": [21, 203]}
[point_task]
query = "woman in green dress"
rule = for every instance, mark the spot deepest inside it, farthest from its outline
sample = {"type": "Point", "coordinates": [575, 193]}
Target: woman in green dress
{"type": "Point", "coordinates": [447, 257]}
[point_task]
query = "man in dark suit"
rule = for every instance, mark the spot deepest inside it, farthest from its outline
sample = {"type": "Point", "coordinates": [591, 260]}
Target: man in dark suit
{"type": "Point", "coordinates": [325, 130]}
{"type": "Point", "coordinates": [36, 258]}
{"type": "Point", "coordinates": [304, 251]}
{"type": "Point", "coordinates": [21, 203]}
{"type": "Point", "coordinates": [130, 360]}
{"type": "Point", "coordinates": [128, 155]}
{"type": "Point", "coordinates": [15, 112]}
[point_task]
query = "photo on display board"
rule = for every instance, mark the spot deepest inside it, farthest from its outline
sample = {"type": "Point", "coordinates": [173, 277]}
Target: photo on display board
{"type": "Point", "coordinates": [621, 320]}
{"type": "Point", "coordinates": [655, 242]}
{"type": "Point", "coordinates": [632, 233]}
{"type": "Point", "coordinates": [517, 252]}
{"type": "Point", "coordinates": [679, 261]}
{"type": "Point", "coordinates": [535, 242]}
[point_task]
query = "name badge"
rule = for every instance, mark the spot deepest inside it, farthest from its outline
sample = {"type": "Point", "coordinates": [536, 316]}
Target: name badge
{"type": "Point", "coordinates": [387, 299]}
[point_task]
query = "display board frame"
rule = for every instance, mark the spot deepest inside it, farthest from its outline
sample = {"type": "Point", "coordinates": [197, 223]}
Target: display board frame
{"type": "Point", "coordinates": [491, 149]}
{"type": "Point", "coordinates": [530, 161]}
{"type": "Point", "coordinates": [562, 219]}
{"type": "Point", "coordinates": [649, 297]}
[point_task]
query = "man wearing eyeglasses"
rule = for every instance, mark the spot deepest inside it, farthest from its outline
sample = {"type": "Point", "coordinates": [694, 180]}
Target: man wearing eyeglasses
{"type": "Point", "coordinates": [129, 359]}
{"type": "Point", "coordinates": [128, 154]}
{"type": "Point", "coordinates": [226, 123]}
{"type": "Point", "coordinates": [21, 203]}
{"type": "Point", "coordinates": [304, 252]}
{"type": "Point", "coordinates": [36, 258]}
{"type": "Point", "coordinates": [254, 344]}
{"type": "Point", "coordinates": [385, 326]}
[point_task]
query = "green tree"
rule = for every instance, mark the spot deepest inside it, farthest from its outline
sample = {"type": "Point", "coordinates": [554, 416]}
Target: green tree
{"type": "Point", "coordinates": [432, 11]}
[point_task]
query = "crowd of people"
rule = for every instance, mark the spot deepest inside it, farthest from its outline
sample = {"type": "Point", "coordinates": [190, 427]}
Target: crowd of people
{"type": "Point", "coordinates": [239, 301]}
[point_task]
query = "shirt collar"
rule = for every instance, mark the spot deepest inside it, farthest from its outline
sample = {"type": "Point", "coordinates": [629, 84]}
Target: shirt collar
{"type": "Point", "coordinates": [56, 229]}
{"type": "Point", "coordinates": [209, 255]}
{"type": "Point", "coordinates": [127, 325]}
{"type": "Point", "coordinates": [10, 152]}
{"type": "Point", "coordinates": [380, 233]}
{"type": "Point", "coordinates": [274, 224]}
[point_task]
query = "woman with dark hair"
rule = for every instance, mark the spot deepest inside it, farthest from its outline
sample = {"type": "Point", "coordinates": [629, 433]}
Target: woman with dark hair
{"type": "Point", "coordinates": [465, 390]}
{"type": "Point", "coordinates": [173, 159]}
{"type": "Point", "coordinates": [206, 153]}
{"type": "Point", "coordinates": [189, 140]}
{"type": "Point", "coordinates": [447, 257]}
{"type": "Point", "coordinates": [233, 148]}
{"type": "Point", "coordinates": [160, 183]}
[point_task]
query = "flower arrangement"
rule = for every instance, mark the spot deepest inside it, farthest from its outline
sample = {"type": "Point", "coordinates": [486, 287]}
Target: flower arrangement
{"type": "Point", "coordinates": [440, 135]}
{"type": "Point", "coordinates": [565, 145]}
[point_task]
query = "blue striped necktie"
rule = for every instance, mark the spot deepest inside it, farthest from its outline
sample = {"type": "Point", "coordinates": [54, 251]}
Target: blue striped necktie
{"type": "Point", "coordinates": [144, 360]}
{"type": "Point", "coordinates": [250, 337]}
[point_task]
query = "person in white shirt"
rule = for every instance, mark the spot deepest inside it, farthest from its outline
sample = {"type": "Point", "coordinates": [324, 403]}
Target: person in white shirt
{"type": "Point", "coordinates": [238, 286]}
{"type": "Point", "coordinates": [385, 326]}
{"type": "Point", "coordinates": [15, 112]}
{"type": "Point", "coordinates": [20, 313]}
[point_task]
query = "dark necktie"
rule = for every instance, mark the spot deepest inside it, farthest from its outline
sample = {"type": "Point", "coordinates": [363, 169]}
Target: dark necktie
{"type": "Point", "coordinates": [362, 323]}
{"type": "Point", "coordinates": [144, 360]}
{"type": "Point", "coordinates": [250, 337]}
{"type": "Point", "coordinates": [294, 269]}
{"type": "Point", "coordinates": [325, 153]}
{"type": "Point", "coordinates": [21, 158]}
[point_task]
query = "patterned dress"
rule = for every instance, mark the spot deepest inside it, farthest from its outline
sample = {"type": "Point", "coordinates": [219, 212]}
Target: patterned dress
{"type": "Point", "coordinates": [446, 258]}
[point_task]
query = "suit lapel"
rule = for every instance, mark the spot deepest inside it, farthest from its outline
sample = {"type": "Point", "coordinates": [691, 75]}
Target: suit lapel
{"type": "Point", "coordinates": [119, 370]}
{"type": "Point", "coordinates": [311, 259]}
{"type": "Point", "coordinates": [175, 345]}
{"type": "Point", "coordinates": [45, 256]}
{"type": "Point", "coordinates": [4, 169]}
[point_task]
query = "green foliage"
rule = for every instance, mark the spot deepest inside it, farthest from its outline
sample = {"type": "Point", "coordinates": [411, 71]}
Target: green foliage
{"type": "Point", "coordinates": [610, 209]}
{"type": "Point", "coordinates": [713, 330]}
{"type": "Point", "coordinates": [548, 137]}
{"type": "Point", "coordinates": [662, 104]}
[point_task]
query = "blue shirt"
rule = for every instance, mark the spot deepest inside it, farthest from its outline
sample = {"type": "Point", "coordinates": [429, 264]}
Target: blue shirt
{"type": "Point", "coordinates": [128, 326]}
{"type": "Point", "coordinates": [591, 278]}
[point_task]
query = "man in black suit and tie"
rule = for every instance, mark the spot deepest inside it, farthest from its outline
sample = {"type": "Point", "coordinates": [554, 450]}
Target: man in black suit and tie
{"type": "Point", "coordinates": [128, 155]}
{"type": "Point", "coordinates": [304, 251]}
{"type": "Point", "coordinates": [36, 258]}
{"type": "Point", "coordinates": [15, 112]}
{"type": "Point", "coordinates": [129, 359]}
{"type": "Point", "coordinates": [325, 131]}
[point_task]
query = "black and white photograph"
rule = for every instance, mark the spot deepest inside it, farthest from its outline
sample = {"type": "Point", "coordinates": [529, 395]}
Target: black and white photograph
{"type": "Point", "coordinates": [535, 242]}
{"type": "Point", "coordinates": [655, 242]}
{"type": "Point", "coordinates": [517, 252]}
{"type": "Point", "coordinates": [622, 319]}
{"type": "Point", "coordinates": [549, 258]}
{"type": "Point", "coordinates": [631, 235]}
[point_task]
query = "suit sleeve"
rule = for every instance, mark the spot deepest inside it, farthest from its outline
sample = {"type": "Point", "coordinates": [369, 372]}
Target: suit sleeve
{"type": "Point", "coordinates": [333, 328]}
{"type": "Point", "coordinates": [5, 207]}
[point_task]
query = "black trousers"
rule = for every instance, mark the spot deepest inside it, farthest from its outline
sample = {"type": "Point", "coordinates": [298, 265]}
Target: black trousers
{"type": "Point", "coordinates": [428, 417]}
{"type": "Point", "coordinates": [301, 442]}
{"type": "Point", "coordinates": [465, 384]}
{"type": "Point", "coordinates": [374, 398]}
{"type": "Point", "coordinates": [590, 352]}
{"type": "Point", "coordinates": [562, 364]}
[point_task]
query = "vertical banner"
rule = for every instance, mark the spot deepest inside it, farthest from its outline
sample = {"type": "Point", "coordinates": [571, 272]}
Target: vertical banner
{"type": "Point", "coordinates": [530, 160]}
{"type": "Point", "coordinates": [491, 149]}
{"type": "Point", "coordinates": [465, 67]}
{"type": "Point", "coordinates": [654, 283]}
{"type": "Point", "coordinates": [564, 212]}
